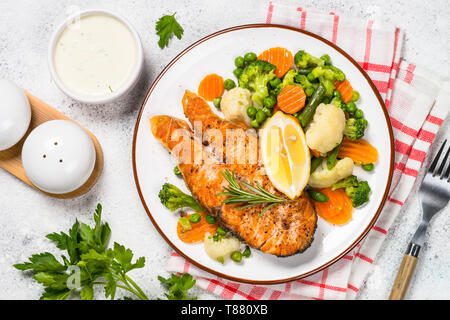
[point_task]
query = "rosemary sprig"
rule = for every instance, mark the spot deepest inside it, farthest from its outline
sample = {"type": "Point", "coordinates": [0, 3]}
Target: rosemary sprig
{"type": "Point", "coordinates": [236, 194]}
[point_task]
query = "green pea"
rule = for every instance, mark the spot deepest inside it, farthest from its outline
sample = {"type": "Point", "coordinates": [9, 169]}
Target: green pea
{"type": "Point", "coordinates": [269, 102]}
{"type": "Point", "coordinates": [195, 218]}
{"type": "Point", "coordinates": [355, 96]}
{"type": "Point", "coordinates": [210, 219]}
{"type": "Point", "coordinates": [250, 57]}
{"type": "Point", "coordinates": [251, 112]}
{"type": "Point", "coordinates": [318, 196]}
{"type": "Point", "coordinates": [254, 123]}
{"type": "Point", "coordinates": [267, 112]}
{"type": "Point", "coordinates": [351, 107]}
{"type": "Point", "coordinates": [275, 82]}
{"type": "Point", "coordinates": [217, 102]}
{"type": "Point", "coordinates": [177, 171]}
{"type": "Point", "coordinates": [229, 84]}
{"type": "Point", "coordinates": [326, 58]}
{"type": "Point", "coordinates": [260, 116]}
{"type": "Point", "coordinates": [220, 231]}
{"type": "Point", "coordinates": [246, 253]}
{"type": "Point", "coordinates": [359, 114]}
{"type": "Point", "coordinates": [237, 72]}
{"type": "Point", "coordinates": [337, 94]}
{"type": "Point", "coordinates": [221, 260]}
{"type": "Point", "coordinates": [185, 224]}
{"type": "Point", "coordinates": [368, 167]}
{"type": "Point", "coordinates": [365, 121]}
{"type": "Point", "coordinates": [239, 62]}
{"type": "Point", "coordinates": [236, 256]}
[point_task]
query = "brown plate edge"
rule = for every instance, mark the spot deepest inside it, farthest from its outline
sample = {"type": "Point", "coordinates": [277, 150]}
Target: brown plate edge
{"type": "Point", "coordinates": [391, 165]}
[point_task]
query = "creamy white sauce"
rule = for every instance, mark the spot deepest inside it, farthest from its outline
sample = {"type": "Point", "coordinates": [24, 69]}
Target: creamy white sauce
{"type": "Point", "coordinates": [95, 55]}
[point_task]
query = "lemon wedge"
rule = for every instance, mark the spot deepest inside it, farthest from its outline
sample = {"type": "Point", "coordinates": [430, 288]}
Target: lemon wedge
{"type": "Point", "coordinates": [285, 154]}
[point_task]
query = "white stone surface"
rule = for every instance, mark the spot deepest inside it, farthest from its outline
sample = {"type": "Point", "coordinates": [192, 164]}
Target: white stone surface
{"type": "Point", "coordinates": [26, 215]}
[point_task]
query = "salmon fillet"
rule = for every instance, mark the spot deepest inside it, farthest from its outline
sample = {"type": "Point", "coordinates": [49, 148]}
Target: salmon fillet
{"type": "Point", "coordinates": [283, 230]}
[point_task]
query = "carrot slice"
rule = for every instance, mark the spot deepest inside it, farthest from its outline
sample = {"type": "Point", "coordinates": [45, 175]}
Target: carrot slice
{"type": "Point", "coordinates": [198, 231]}
{"type": "Point", "coordinates": [291, 99]}
{"type": "Point", "coordinates": [338, 209]}
{"type": "Point", "coordinates": [360, 151]}
{"type": "Point", "coordinates": [211, 87]}
{"type": "Point", "coordinates": [315, 153]}
{"type": "Point", "coordinates": [345, 89]}
{"type": "Point", "coordinates": [280, 57]}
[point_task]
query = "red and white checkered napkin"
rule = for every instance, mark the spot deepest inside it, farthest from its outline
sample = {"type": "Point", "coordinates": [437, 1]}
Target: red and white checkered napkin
{"type": "Point", "coordinates": [409, 94]}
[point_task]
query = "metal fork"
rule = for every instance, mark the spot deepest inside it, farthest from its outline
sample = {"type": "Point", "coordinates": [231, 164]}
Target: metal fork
{"type": "Point", "coordinates": [434, 194]}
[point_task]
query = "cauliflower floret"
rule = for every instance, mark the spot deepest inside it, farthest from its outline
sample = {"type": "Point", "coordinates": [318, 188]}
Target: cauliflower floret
{"type": "Point", "coordinates": [234, 105]}
{"type": "Point", "coordinates": [222, 248]}
{"type": "Point", "coordinates": [323, 178]}
{"type": "Point", "coordinates": [326, 129]}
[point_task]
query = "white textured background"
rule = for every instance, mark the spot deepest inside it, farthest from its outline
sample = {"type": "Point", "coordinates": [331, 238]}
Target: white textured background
{"type": "Point", "coordinates": [26, 215]}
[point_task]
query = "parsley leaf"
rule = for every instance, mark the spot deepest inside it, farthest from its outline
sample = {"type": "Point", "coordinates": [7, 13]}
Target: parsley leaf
{"type": "Point", "coordinates": [178, 286]}
{"type": "Point", "coordinates": [166, 26]}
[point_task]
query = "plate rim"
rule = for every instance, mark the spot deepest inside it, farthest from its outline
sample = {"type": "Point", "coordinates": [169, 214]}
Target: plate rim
{"type": "Point", "coordinates": [391, 164]}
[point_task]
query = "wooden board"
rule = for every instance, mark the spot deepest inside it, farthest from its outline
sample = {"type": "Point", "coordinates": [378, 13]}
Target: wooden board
{"type": "Point", "coordinates": [11, 159]}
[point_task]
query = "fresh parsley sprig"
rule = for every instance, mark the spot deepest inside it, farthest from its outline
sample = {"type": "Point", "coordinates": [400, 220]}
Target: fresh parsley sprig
{"type": "Point", "coordinates": [167, 26]}
{"type": "Point", "coordinates": [90, 260]}
{"type": "Point", "coordinates": [178, 286]}
{"type": "Point", "coordinates": [256, 195]}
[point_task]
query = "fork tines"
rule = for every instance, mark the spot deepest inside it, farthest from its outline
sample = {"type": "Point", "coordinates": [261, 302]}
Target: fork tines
{"type": "Point", "coordinates": [436, 169]}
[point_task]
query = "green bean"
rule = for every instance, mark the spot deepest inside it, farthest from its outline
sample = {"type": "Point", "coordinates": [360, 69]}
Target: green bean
{"type": "Point", "coordinates": [318, 196]}
{"type": "Point", "coordinates": [331, 160]}
{"type": "Point", "coordinates": [304, 71]}
{"type": "Point", "coordinates": [309, 110]}
{"type": "Point", "coordinates": [368, 167]}
{"type": "Point", "coordinates": [315, 162]}
{"type": "Point", "coordinates": [246, 253]}
{"type": "Point", "coordinates": [236, 256]}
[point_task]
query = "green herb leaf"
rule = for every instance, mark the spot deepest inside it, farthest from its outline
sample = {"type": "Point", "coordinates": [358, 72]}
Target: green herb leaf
{"type": "Point", "coordinates": [178, 286]}
{"type": "Point", "coordinates": [166, 27]}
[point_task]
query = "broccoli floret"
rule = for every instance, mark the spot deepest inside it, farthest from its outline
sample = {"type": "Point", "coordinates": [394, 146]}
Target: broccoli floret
{"type": "Point", "coordinates": [173, 198]}
{"type": "Point", "coordinates": [256, 76]}
{"type": "Point", "coordinates": [288, 79]}
{"type": "Point", "coordinates": [327, 76]}
{"type": "Point", "coordinates": [358, 191]}
{"type": "Point", "coordinates": [355, 128]}
{"type": "Point", "coordinates": [307, 86]}
{"type": "Point", "coordinates": [338, 102]}
{"type": "Point", "coordinates": [303, 60]}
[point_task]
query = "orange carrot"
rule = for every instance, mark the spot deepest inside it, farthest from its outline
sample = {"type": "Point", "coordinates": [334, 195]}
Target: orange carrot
{"type": "Point", "coordinates": [315, 153]}
{"type": "Point", "coordinates": [211, 87]}
{"type": "Point", "coordinates": [360, 151]}
{"type": "Point", "coordinates": [198, 231]}
{"type": "Point", "coordinates": [280, 57]}
{"type": "Point", "coordinates": [338, 209]}
{"type": "Point", "coordinates": [345, 89]}
{"type": "Point", "coordinates": [291, 99]}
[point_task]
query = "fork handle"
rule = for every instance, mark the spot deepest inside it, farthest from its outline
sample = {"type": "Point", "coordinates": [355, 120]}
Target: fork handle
{"type": "Point", "coordinates": [405, 272]}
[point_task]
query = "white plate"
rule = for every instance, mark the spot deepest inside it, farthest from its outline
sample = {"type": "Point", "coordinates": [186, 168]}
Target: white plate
{"type": "Point", "coordinates": [153, 165]}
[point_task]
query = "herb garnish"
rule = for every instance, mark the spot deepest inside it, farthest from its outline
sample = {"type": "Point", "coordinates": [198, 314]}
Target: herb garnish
{"type": "Point", "coordinates": [167, 26]}
{"type": "Point", "coordinates": [236, 194]}
{"type": "Point", "coordinates": [90, 262]}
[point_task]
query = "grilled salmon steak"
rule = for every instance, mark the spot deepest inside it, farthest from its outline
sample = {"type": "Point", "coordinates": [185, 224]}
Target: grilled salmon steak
{"type": "Point", "coordinates": [283, 230]}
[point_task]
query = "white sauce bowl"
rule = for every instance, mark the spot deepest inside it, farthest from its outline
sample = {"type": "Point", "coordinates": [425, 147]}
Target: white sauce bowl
{"type": "Point", "coordinates": [115, 93]}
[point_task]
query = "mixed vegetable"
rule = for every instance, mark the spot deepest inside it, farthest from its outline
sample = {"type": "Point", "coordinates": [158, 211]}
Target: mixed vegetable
{"type": "Point", "coordinates": [319, 96]}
